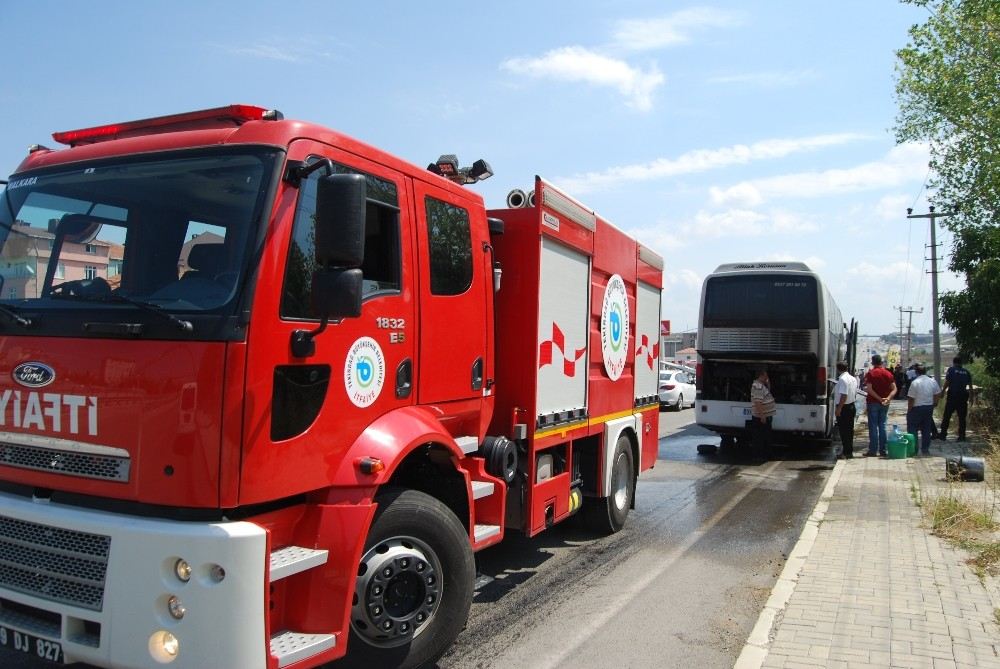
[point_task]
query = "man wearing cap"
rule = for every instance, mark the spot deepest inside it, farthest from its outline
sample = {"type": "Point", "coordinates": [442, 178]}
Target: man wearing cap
{"type": "Point", "coordinates": [881, 388]}
{"type": "Point", "coordinates": [923, 394]}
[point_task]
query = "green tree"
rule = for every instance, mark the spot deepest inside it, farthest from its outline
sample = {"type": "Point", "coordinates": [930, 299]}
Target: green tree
{"type": "Point", "coordinates": [948, 92]}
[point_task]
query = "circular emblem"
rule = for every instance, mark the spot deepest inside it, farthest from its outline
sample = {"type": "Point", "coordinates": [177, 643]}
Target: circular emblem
{"type": "Point", "coordinates": [364, 372]}
{"type": "Point", "coordinates": [615, 327]}
{"type": "Point", "coordinates": [33, 374]}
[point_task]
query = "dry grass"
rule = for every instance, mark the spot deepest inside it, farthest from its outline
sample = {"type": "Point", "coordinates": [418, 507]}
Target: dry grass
{"type": "Point", "coordinates": [972, 521]}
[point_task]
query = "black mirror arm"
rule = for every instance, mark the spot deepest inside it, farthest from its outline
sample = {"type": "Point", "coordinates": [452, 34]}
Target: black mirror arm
{"type": "Point", "coordinates": [298, 170]}
{"type": "Point", "coordinates": [302, 342]}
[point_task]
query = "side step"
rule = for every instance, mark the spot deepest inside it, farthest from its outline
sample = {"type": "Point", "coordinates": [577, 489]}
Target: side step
{"type": "Point", "coordinates": [291, 647]}
{"type": "Point", "coordinates": [484, 532]}
{"type": "Point", "coordinates": [482, 489]}
{"type": "Point", "coordinates": [294, 559]}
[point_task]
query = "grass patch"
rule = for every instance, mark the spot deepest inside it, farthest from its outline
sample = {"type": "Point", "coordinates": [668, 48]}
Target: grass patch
{"type": "Point", "coordinates": [957, 519]}
{"type": "Point", "coordinates": [985, 560]}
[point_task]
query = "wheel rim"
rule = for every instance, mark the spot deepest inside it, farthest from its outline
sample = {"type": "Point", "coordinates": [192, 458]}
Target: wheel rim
{"type": "Point", "coordinates": [397, 592]}
{"type": "Point", "coordinates": [619, 481]}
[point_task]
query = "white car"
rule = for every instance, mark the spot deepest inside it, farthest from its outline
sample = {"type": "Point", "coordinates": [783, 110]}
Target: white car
{"type": "Point", "coordinates": [676, 390]}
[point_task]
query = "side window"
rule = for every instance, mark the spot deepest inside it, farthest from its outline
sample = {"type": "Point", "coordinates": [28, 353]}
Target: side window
{"type": "Point", "coordinates": [382, 266]}
{"type": "Point", "coordinates": [450, 243]}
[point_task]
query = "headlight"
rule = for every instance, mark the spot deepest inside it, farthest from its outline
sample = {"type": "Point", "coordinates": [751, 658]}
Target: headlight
{"type": "Point", "coordinates": [182, 570]}
{"type": "Point", "coordinates": [163, 647]}
{"type": "Point", "coordinates": [175, 607]}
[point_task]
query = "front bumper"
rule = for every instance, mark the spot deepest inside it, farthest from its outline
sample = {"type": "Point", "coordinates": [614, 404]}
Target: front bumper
{"type": "Point", "coordinates": [98, 584]}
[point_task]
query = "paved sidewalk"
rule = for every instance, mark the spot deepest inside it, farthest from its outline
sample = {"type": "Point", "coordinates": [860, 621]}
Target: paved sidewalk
{"type": "Point", "coordinates": [868, 585]}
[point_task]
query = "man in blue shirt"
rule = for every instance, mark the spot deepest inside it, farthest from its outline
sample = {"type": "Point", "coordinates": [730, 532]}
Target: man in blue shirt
{"type": "Point", "coordinates": [957, 384]}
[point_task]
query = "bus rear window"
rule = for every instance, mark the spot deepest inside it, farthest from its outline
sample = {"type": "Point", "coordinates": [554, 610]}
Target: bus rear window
{"type": "Point", "coordinates": [769, 301]}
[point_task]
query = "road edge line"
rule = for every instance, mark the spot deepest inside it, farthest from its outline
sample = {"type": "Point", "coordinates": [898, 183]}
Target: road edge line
{"type": "Point", "coordinates": [758, 643]}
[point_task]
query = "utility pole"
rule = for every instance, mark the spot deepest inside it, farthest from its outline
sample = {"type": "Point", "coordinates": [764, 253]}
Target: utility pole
{"type": "Point", "coordinates": [936, 315]}
{"type": "Point", "coordinates": [909, 328]}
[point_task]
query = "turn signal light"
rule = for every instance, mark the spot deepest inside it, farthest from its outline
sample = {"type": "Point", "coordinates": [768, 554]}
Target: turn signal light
{"type": "Point", "coordinates": [371, 465]}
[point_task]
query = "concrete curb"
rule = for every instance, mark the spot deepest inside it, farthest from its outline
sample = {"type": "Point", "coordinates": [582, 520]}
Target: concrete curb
{"type": "Point", "coordinates": [757, 644]}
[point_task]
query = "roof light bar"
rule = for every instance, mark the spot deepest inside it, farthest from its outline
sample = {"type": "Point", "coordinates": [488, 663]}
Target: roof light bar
{"type": "Point", "coordinates": [235, 114]}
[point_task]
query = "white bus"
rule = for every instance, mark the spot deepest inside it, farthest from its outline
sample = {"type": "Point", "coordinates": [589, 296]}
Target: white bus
{"type": "Point", "coordinates": [781, 316]}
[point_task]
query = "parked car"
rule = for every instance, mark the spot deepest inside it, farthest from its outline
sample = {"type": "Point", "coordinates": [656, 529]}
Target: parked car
{"type": "Point", "coordinates": [676, 390]}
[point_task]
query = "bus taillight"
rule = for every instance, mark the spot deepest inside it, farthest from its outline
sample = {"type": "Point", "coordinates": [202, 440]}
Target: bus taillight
{"type": "Point", "coordinates": [697, 377]}
{"type": "Point", "coordinates": [821, 382]}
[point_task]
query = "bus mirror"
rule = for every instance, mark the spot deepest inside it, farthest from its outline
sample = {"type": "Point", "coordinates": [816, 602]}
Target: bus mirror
{"type": "Point", "coordinates": [340, 220]}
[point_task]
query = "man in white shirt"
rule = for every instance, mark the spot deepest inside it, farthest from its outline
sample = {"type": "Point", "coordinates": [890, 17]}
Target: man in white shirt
{"type": "Point", "coordinates": [844, 394]}
{"type": "Point", "coordinates": [923, 394]}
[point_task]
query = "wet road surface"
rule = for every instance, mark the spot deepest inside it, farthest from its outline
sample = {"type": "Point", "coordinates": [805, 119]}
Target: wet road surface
{"type": "Point", "coordinates": [680, 586]}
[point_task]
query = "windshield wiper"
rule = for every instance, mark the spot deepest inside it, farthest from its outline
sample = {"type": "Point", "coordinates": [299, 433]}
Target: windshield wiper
{"type": "Point", "coordinates": [14, 316]}
{"type": "Point", "coordinates": [118, 298]}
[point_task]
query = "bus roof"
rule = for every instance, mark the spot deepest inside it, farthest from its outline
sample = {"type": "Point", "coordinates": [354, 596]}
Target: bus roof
{"type": "Point", "coordinates": [762, 266]}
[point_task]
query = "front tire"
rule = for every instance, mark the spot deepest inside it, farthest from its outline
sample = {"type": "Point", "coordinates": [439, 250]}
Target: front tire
{"type": "Point", "coordinates": [607, 515]}
{"type": "Point", "coordinates": [680, 403]}
{"type": "Point", "coordinates": [414, 584]}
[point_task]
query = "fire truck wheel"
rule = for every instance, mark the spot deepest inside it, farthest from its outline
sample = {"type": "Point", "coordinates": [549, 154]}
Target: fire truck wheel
{"type": "Point", "coordinates": [607, 515]}
{"type": "Point", "coordinates": [414, 584]}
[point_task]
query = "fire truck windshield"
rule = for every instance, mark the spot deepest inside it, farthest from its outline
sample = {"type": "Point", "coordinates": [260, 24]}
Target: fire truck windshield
{"type": "Point", "coordinates": [173, 232]}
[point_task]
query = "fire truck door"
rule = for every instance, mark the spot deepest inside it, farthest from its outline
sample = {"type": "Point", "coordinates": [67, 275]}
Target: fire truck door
{"type": "Point", "coordinates": [451, 234]}
{"type": "Point", "coordinates": [302, 412]}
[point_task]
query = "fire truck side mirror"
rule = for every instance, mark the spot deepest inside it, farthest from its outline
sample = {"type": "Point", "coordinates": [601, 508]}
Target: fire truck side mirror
{"type": "Point", "coordinates": [340, 220]}
{"type": "Point", "coordinates": [336, 293]}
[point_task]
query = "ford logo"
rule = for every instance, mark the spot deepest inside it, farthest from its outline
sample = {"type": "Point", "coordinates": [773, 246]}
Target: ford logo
{"type": "Point", "coordinates": [33, 374]}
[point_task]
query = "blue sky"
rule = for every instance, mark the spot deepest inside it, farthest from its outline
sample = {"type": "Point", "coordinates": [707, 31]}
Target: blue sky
{"type": "Point", "coordinates": [714, 132]}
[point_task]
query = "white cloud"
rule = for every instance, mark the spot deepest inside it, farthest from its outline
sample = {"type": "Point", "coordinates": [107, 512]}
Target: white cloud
{"type": "Point", "coordinates": [577, 64]}
{"type": "Point", "coordinates": [892, 207]}
{"type": "Point", "coordinates": [656, 33]}
{"type": "Point", "coordinates": [267, 52]}
{"type": "Point", "coordinates": [702, 160]}
{"type": "Point", "coordinates": [746, 223]}
{"type": "Point", "coordinates": [684, 278]}
{"type": "Point", "coordinates": [894, 271]}
{"type": "Point", "coordinates": [767, 79]}
{"type": "Point", "coordinates": [903, 164]}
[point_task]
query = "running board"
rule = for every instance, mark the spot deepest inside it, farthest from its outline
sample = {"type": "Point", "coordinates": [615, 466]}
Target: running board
{"type": "Point", "coordinates": [290, 647]}
{"type": "Point", "coordinates": [484, 532]}
{"type": "Point", "coordinates": [482, 489]}
{"type": "Point", "coordinates": [294, 559]}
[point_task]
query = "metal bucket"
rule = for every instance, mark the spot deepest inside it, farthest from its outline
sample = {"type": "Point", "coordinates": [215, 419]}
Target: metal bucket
{"type": "Point", "coordinates": [964, 468]}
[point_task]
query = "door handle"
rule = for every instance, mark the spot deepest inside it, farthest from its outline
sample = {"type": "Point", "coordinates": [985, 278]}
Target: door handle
{"type": "Point", "coordinates": [477, 374]}
{"type": "Point", "coordinates": [404, 379]}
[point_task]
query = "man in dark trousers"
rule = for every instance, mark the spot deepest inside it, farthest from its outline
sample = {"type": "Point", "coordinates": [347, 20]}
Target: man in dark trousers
{"type": "Point", "coordinates": [844, 395]}
{"type": "Point", "coordinates": [762, 409]}
{"type": "Point", "coordinates": [881, 388]}
{"type": "Point", "coordinates": [957, 384]}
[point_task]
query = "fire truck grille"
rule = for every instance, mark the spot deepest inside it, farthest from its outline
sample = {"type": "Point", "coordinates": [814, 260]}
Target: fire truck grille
{"type": "Point", "coordinates": [89, 465]}
{"type": "Point", "coordinates": [56, 564]}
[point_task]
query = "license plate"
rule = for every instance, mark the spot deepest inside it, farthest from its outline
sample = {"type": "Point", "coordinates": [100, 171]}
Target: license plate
{"type": "Point", "coordinates": [29, 644]}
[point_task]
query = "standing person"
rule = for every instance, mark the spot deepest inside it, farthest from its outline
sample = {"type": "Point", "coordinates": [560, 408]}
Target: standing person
{"type": "Point", "coordinates": [762, 409]}
{"type": "Point", "coordinates": [844, 395]}
{"type": "Point", "coordinates": [900, 377]}
{"type": "Point", "coordinates": [957, 384]}
{"type": "Point", "coordinates": [881, 389]}
{"type": "Point", "coordinates": [923, 395]}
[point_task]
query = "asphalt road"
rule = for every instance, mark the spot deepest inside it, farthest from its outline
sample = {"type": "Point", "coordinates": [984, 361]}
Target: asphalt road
{"type": "Point", "coordinates": [680, 586]}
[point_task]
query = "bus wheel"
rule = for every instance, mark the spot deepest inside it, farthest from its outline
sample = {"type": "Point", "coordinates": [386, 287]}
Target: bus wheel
{"type": "Point", "coordinates": [414, 584]}
{"type": "Point", "coordinates": [607, 515]}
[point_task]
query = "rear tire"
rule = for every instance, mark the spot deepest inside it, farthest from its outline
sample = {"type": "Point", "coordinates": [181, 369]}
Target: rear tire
{"type": "Point", "coordinates": [414, 584]}
{"type": "Point", "coordinates": [607, 515]}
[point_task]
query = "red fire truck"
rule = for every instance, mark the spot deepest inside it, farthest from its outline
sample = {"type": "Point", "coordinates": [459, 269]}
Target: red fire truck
{"type": "Point", "coordinates": [265, 390]}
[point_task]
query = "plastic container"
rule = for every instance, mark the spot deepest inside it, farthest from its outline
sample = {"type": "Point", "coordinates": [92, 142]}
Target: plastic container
{"type": "Point", "coordinates": [897, 449]}
{"type": "Point", "coordinates": [911, 441]}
